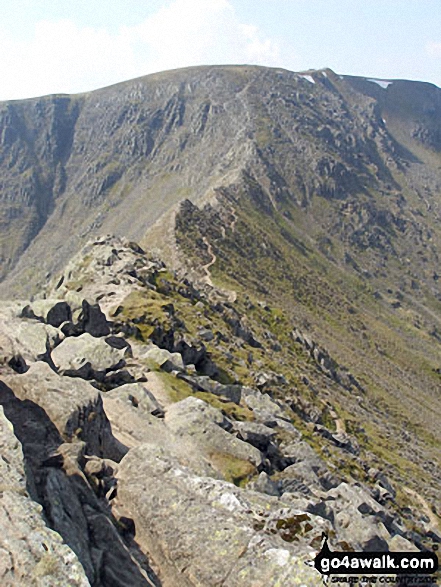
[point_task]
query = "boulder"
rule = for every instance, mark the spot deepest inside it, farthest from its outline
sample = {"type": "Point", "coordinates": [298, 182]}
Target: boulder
{"type": "Point", "coordinates": [340, 439]}
{"type": "Point", "coordinates": [74, 407]}
{"type": "Point", "coordinates": [31, 341]}
{"type": "Point", "coordinates": [139, 397]}
{"type": "Point", "coordinates": [165, 359]}
{"type": "Point", "coordinates": [87, 357]}
{"type": "Point", "coordinates": [92, 320]}
{"type": "Point", "coordinates": [231, 393]}
{"type": "Point", "coordinates": [53, 312]}
{"type": "Point", "coordinates": [206, 426]}
{"type": "Point", "coordinates": [304, 470]}
{"type": "Point", "coordinates": [264, 408]}
{"type": "Point", "coordinates": [264, 484]}
{"type": "Point", "coordinates": [254, 433]}
{"type": "Point", "coordinates": [358, 518]}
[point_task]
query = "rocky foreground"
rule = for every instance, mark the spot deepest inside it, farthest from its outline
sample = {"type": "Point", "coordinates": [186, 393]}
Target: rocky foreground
{"type": "Point", "coordinates": [129, 457]}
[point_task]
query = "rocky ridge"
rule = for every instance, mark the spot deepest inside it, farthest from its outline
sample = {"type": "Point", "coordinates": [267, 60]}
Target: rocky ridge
{"type": "Point", "coordinates": [168, 444]}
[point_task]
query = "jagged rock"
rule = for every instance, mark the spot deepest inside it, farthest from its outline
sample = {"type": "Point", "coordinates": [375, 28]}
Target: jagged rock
{"type": "Point", "coordinates": [216, 535]}
{"type": "Point", "coordinates": [196, 355]}
{"type": "Point", "coordinates": [30, 552]}
{"type": "Point", "coordinates": [87, 357]}
{"type": "Point", "coordinates": [138, 396]}
{"type": "Point", "coordinates": [53, 312]}
{"type": "Point", "coordinates": [31, 341]}
{"type": "Point", "coordinates": [382, 481]}
{"type": "Point", "coordinates": [264, 408]}
{"type": "Point", "coordinates": [231, 393]}
{"type": "Point", "coordinates": [73, 406]}
{"type": "Point", "coordinates": [341, 439]}
{"type": "Point", "coordinates": [254, 433]}
{"type": "Point", "coordinates": [207, 428]}
{"type": "Point", "coordinates": [302, 466]}
{"type": "Point", "coordinates": [54, 473]}
{"type": "Point", "coordinates": [356, 518]}
{"type": "Point", "coordinates": [92, 320]}
{"type": "Point", "coordinates": [25, 341]}
{"type": "Point", "coordinates": [117, 378]}
{"type": "Point", "coordinates": [165, 359]}
{"type": "Point", "coordinates": [265, 380]}
{"type": "Point", "coordinates": [74, 316]}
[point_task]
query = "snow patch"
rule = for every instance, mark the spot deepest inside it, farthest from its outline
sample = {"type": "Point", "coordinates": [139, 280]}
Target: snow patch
{"type": "Point", "coordinates": [380, 82]}
{"type": "Point", "coordinates": [309, 78]}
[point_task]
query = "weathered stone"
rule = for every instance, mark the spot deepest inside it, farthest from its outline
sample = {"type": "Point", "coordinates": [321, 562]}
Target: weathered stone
{"type": "Point", "coordinates": [264, 484]}
{"type": "Point", "coordinates": [138, 396]}
{"type": "Point", "coordinates": [87, 357]}
{"type": "Point", "coordinates": [165, 359]}
{"type": "Point", "coordinates": [53, 312]}
{"type": "Point", "coordinates": [341, 439]}
{"type": "Point", "coordinates": [356, 518]}
{"type": "Point", "coordinates": [92, 320]}
{"type": "Point", "coordinates": [206, 426]}
{"type": "Point", "coordinates": [231, 393]}
{"type": "Point", "coordinates": [32, 341]}
{"type": "Point", "coordinates": [73, 406]}
{"type": "Point", "coordinates": [254, 433]}
{"type": "Point", "coordinates": [217, 532]}
{"type": "Point", "coordinates": [304, 469]}
{"type": "Point", "coordinates": [265, 409]}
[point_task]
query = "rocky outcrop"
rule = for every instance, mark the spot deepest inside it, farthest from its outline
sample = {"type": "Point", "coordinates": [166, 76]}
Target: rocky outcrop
{"type": "Point", "coordinates": [157, 470]}
{"type": "Point", "coordinates": [75, 409]}
{"type": "Point", "coordinates": [218, 534]}
{"type": "Point", "coordinates": [30, 552]}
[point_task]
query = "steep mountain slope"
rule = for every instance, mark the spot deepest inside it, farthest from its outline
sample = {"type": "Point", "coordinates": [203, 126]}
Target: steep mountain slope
{"type": "Point", "coordinates": [115, 160]}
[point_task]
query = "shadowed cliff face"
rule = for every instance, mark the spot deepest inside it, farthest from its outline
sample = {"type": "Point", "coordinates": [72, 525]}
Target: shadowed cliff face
{"type": "Point", "coordinates": [116, 160]}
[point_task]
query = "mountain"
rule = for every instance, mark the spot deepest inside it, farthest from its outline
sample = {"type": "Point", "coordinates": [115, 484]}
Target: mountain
{"type": "Point", "coordinates": [116, 160]}
{"type": "Point", "coordinates": [290, 223]}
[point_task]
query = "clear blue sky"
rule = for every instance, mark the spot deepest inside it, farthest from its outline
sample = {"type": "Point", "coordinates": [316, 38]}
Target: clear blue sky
{"type": "Point", "coordinates": [55, 46]}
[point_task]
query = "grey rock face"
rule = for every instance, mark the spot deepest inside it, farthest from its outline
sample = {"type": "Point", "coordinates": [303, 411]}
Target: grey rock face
{"type": "Point", "coordinates": [30, 553]}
